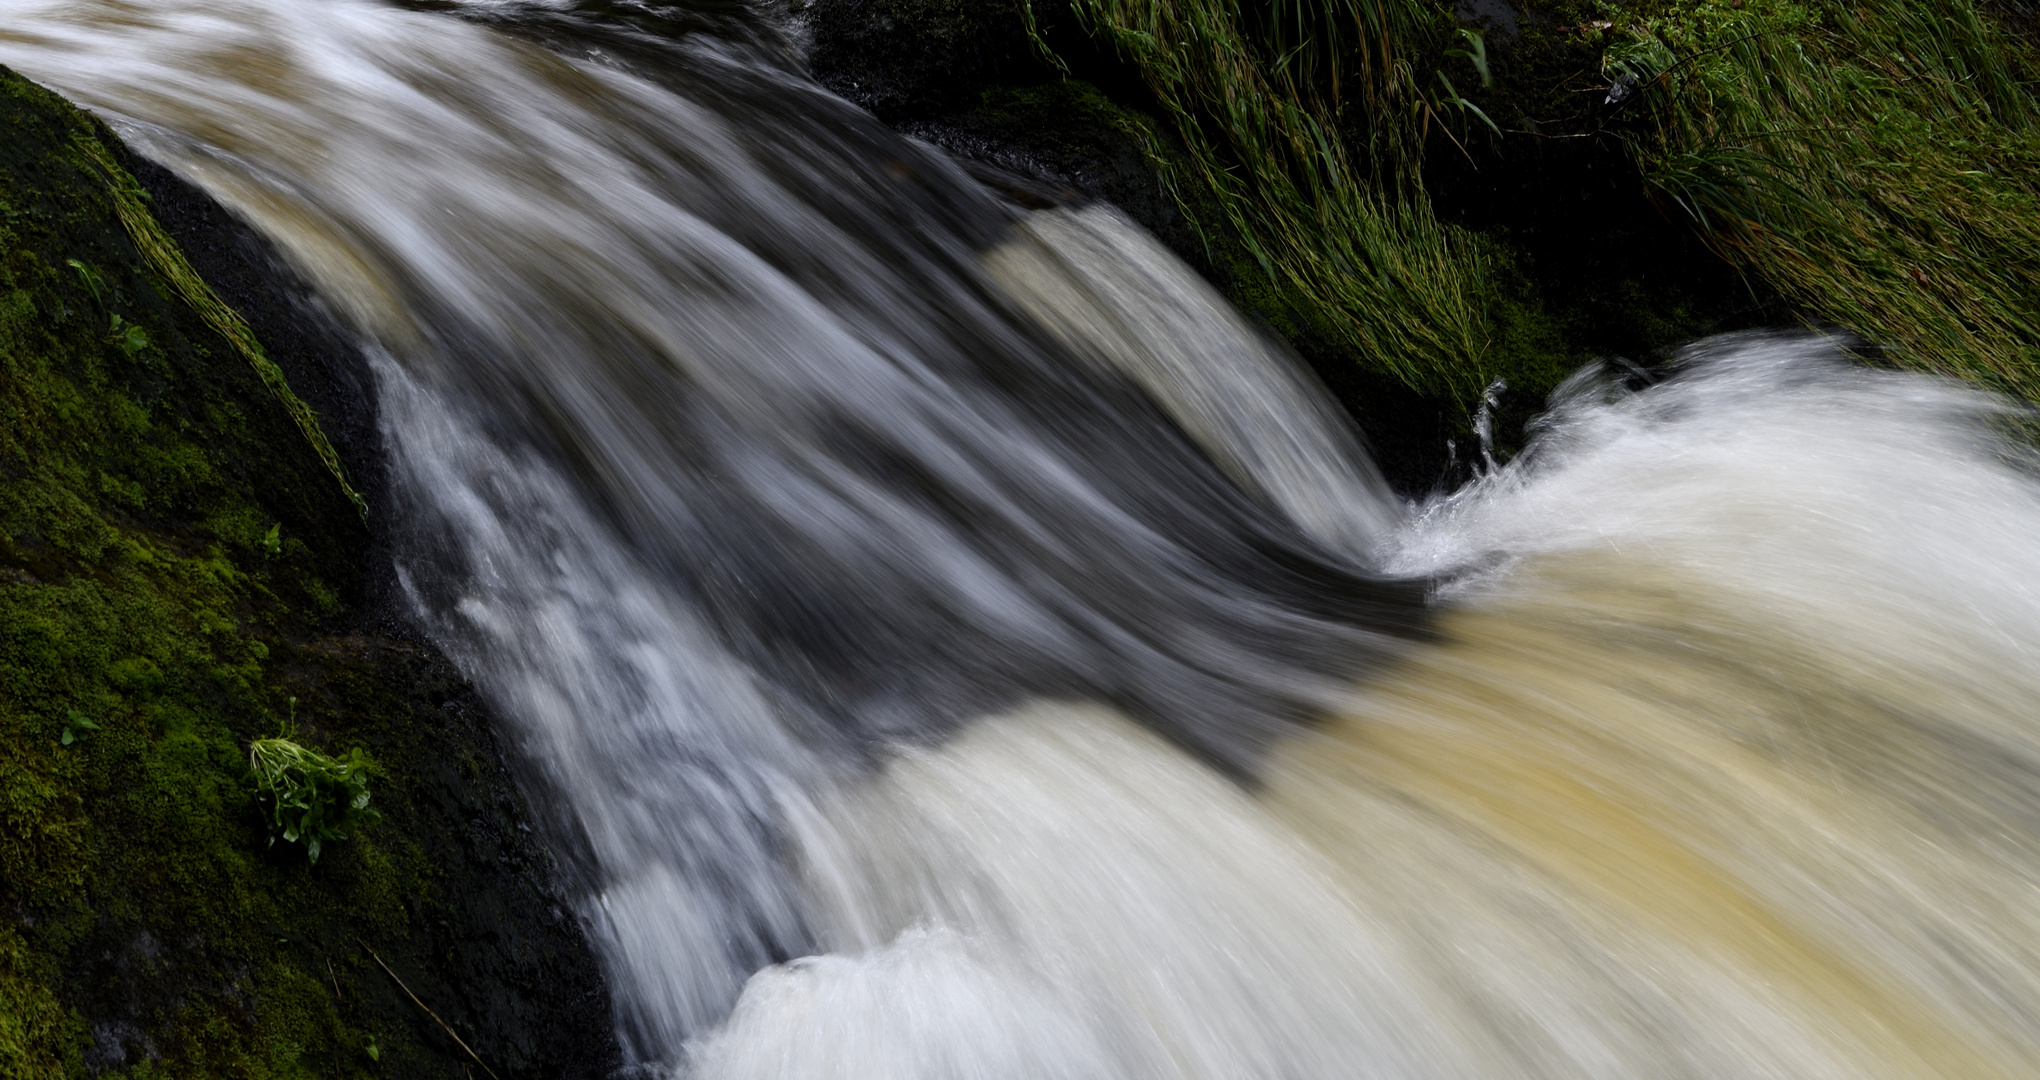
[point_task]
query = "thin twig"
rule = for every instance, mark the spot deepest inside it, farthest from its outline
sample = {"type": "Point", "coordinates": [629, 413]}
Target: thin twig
{"type": "Point", "coordinates": [335, 978]}
{"type": "Point", "coordinates": [428, 1011]}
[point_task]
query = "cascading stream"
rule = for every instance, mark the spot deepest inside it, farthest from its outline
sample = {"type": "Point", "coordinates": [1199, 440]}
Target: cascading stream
{"type": "Point", "coordinates": [726, 465]}
{"type": "Point", "coordinates": [949, 642]}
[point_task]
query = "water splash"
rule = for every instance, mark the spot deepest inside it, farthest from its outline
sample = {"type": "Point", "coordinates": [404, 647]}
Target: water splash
{"type": "Point", "coordinates": [1723, 764]}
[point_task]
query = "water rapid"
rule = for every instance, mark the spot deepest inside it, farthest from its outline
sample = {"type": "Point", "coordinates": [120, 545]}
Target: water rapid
{"type": "Point", "coordinates": [947, 641]}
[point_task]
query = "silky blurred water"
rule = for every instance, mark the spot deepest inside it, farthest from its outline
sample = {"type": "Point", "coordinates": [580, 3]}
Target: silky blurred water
{"type": "Point", "coordinates": [947, 641]}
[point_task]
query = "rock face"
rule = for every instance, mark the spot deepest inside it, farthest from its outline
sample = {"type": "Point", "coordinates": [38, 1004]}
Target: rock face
{"type": "Point", "coordinates": [147, 926]}
{"type": "Point", "coordinates": [900, 58]}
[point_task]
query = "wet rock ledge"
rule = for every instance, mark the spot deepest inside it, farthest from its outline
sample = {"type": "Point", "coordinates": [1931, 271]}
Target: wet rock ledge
{"type": "Point", "coordinates": [147, 928]}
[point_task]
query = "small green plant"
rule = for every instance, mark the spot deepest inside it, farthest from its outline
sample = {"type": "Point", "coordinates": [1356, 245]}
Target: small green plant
{"type": "Point", "coordinates": [76, 725]}
{"type": "Point", "coordinates": [1454, 99]}
{"type": "Point", "coordinates": [272, 544]}
{"type": "Point", "coordinates": [374, 1051]}
{"type": "Point", "coordinates": [1474, 53]}
{"type": "Point", "coordinates": [131, 338]}
{"type": "Point", "coordinates": [312, 798]}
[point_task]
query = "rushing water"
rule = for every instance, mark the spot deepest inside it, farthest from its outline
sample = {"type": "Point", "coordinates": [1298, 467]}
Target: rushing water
{"type": "Point", "coordinates": [949, 642]}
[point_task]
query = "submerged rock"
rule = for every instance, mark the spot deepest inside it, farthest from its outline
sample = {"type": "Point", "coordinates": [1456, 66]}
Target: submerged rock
{"type": "Point", "coordinates": [179, 574]}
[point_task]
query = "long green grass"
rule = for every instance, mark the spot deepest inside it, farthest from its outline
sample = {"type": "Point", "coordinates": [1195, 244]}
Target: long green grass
{"type": "Point", "coordinates": [1304, 122]}
{"type": "Point", "coordinates": [1878, 161]}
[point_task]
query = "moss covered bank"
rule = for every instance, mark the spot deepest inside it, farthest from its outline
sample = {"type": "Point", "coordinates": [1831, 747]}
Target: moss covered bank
{"type": "Point", "coordinates": [176, 565]}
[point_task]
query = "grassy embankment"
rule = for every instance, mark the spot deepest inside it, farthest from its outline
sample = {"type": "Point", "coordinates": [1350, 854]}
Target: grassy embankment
{"type": "Point", "coordinates": [1878, 162]}
{"type": "Point", "coordinates": [1866, 166]}
{"type": "Point", "coordinates": [1302, 129]}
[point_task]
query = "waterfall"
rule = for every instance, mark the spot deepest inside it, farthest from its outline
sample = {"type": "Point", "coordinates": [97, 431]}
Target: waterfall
{"type": "Point", "coordinates": [946, 641]}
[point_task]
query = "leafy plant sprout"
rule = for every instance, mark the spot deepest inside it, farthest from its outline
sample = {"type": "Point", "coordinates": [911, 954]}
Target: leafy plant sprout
{"type": "Point", "coordinates": [131, 338]}
{"type": "Point", "coordinates": [312, 798]}
{"type": "Point", "coordinates": [76, 727]}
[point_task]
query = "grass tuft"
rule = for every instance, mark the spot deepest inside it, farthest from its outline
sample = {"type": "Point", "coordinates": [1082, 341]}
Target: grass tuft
{"type": "Point", "coordinates": [1877, 161]}
{"type": "Point", "coordinates": [1324, 196]}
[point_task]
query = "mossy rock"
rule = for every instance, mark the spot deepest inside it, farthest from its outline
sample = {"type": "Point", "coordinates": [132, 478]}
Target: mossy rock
{"type": "Point", "coordinates": [147, 927]}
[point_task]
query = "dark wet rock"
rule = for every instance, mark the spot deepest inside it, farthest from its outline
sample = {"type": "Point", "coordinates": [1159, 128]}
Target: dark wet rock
{"type": "Point", "coordinates": [1498, 18]}
{"type": "Point", "coordinates": [902, 59]}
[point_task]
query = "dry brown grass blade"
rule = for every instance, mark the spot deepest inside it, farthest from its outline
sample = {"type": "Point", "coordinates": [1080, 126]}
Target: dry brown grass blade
{"type": "Point", "coordinates": [428, 1011]}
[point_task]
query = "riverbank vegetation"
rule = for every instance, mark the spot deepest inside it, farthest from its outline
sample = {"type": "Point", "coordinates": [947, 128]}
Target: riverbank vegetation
{"type": "Point", "coordinates": [1443, 194]}
{"type": "Point", "coordinates": [1303, 122]}
{"type": "Point", "coordinates": [1421, 203]}
{"type": "Point", "coordinates": [1877, 161]}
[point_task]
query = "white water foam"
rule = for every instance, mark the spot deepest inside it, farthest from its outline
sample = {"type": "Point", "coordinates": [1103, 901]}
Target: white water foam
{"type": "Point", "coordinates": [1726, 766]}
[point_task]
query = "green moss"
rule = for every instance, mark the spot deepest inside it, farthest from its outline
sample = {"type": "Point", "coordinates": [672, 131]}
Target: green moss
{"type": "Point", "coordinates": [146, 928]}
{"type": "Point", "coordinates": [166, 261]}
{"type": "Point", "coordinates": [39, 1038]}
